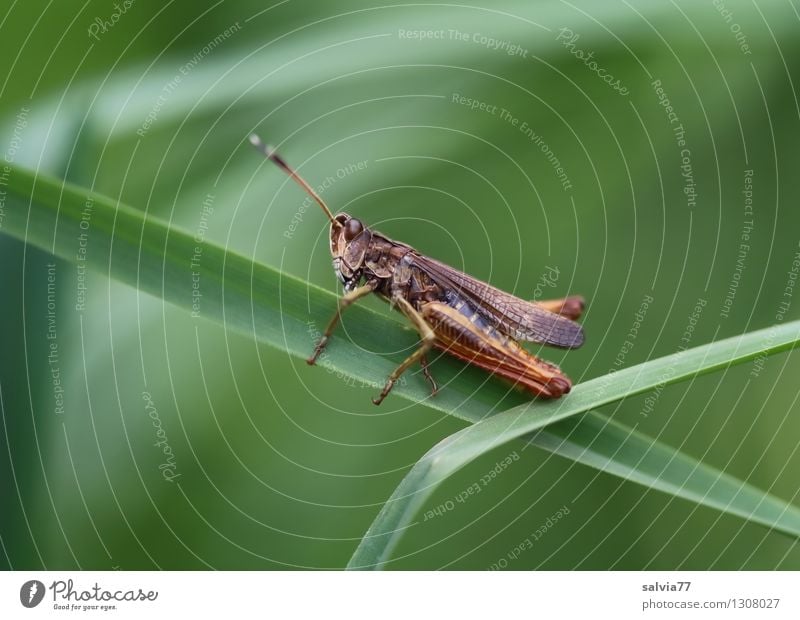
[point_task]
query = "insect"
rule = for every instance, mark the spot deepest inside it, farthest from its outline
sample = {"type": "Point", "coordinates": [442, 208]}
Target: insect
{"type": "Point", "coordinates": [451, 310]}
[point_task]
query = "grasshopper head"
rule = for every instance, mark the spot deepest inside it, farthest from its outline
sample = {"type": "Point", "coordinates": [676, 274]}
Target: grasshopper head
{"type": "Point", "coordinates": [349, 242]}
{"type": "Point", "coordinates": [349, 238]}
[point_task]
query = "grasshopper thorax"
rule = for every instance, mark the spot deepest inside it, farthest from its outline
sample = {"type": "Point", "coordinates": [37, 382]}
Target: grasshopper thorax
{"type": "Point", "coordinates": [350, 240]}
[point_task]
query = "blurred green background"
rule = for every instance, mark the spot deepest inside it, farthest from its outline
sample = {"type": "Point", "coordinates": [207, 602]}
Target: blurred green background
{"type": "Point", "coordinates": [282, 465]}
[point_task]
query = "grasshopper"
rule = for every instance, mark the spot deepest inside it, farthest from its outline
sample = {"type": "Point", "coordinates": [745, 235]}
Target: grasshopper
{"type": "Point", "coordinates": [451, 310]}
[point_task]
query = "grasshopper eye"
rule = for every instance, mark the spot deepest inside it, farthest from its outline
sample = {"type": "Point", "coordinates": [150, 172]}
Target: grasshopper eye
{"type": "Point", "coordinates": [352, 229]}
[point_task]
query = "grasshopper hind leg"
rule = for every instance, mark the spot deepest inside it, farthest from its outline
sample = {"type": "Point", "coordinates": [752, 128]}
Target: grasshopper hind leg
{"type": "Point", "coordinates": [570, 307]}
{"type": "Point", "coordinates": [426, 372]}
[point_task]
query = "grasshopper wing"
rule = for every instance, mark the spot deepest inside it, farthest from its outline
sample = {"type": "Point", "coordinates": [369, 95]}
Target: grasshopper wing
{"type": "Point", "coordinates": [520, 319]}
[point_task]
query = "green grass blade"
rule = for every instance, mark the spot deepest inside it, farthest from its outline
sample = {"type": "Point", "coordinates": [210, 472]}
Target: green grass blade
{"type": "Point", "coordinates": [277, 309]}
{"type": "Point", "coordinates": [659, 466]}
{"type": "Point", "coordinates": [592, 440]}
{"type": "Point", "coordinates": [614, 448]}
{"type": "Point", "coordinates": [262, 302]}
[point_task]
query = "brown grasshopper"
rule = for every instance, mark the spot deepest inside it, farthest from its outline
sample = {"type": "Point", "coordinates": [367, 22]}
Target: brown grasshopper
{"type": "Point", "coordinates": [452, 311]}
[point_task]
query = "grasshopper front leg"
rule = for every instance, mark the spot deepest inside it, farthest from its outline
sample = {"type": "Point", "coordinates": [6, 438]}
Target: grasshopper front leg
{"type": "Point", "coordinates": [346, 300]}
{"type": "Point", "coordinates": [428, 338]}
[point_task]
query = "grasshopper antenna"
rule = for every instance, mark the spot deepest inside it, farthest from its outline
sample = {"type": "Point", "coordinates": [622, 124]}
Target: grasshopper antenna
{"type": "Point", "coordinates": [270, 153]}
